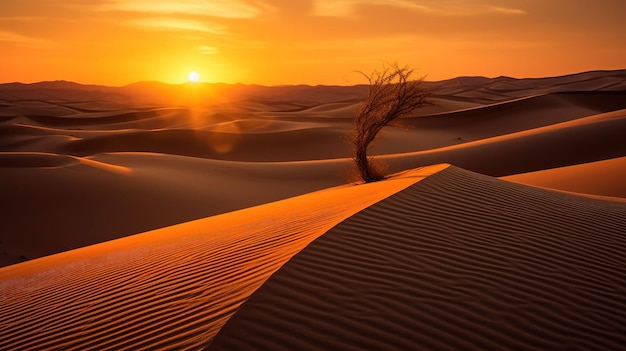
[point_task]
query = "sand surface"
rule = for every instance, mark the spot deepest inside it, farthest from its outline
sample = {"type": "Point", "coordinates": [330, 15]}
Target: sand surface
{"type": "Point", "coordinates": [458, 261]}
{"type": "Point", "coordinates": [196, 170]}
{"type": "Point", "coordinates": [172, 288]}
{"type": "Point", "coordinates": [604, 178]}
{"type": "Point", "coordinates": [83, 164]}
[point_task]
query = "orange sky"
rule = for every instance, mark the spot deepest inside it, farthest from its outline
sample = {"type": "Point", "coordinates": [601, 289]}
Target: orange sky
{"type": "Point", "coordinates": [117, 42]}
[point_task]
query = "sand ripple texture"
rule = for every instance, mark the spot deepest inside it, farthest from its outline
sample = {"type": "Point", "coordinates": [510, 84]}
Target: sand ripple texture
{"type": "Point", "coordinates": [172, 288]}
{"type": "Point", "coordinates": [459, 261]}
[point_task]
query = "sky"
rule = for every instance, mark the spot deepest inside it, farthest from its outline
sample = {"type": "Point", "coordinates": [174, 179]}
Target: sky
{"type": "Point", "coordinates": [275, 42]}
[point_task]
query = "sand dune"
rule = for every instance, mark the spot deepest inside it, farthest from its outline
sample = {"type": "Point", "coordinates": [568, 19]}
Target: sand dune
{"type": "Point", "coordinates": [582, 140]}
{"type": "Point", "coordinates": [455, 262]}
{"type": "Point", "coordinates": [435, 258]}
{"type": "Point", "coordinates": [506, 88]}
{"type": "Point", "coordinates": [458, 260]}
{"type": "Point", "coordinates": [55, 203]}
{"type": "Point", "coordinates": [194, 151]}
{"type": "Point", "coordinates": [200, 134]}
{"type": "Point", "coordinates": [172, 288]}
{"type": "Point", "coordinates": [604, 178]}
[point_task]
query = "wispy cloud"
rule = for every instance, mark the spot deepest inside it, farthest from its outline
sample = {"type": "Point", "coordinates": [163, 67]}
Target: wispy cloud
{"type": "Point", "coordinates": [508, 11]}
{"type": "Point", "coordinates": [21, 18]}
{"type": "Point", "coordinates": [207, 50]}
{"type": "Point", "coordinates": [177, 24]}
{"type": "Point", "coordinates": [23, 40]}
{"type": "Point", "coordinates": [214, 8]}
{"type": "Point", "coordinates": [340, 8]}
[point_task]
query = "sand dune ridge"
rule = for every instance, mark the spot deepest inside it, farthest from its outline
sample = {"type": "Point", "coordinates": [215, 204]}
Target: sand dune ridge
{"type": "Point", "coordinates": [457, 261]}
{"type": "Point", "coordinates": [171, 288]}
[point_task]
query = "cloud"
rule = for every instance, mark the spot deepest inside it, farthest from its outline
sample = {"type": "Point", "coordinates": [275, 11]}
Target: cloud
{"type": "Point", "coordinates": [207, 50]}
{"type": "Point", "coordinates": [213, 8]}
{"type": "Point", "coordinates": [178, 24]}
{"type": "Point", "coordinates": [508, 11]}
{"type": "Point", "coordinates": [341, 8]}
{"type": "Point", "coordinates": [22, 18]}
{"type": "Point", "coordinates": [23, 40]}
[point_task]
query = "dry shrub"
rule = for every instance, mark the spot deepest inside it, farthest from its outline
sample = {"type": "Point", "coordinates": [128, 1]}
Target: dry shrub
{"type": "Point", "coordinates": [392, 94]}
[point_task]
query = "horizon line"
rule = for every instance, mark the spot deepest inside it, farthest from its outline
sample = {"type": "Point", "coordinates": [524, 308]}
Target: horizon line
{"type": "Point", "coordinates": [300, 84]}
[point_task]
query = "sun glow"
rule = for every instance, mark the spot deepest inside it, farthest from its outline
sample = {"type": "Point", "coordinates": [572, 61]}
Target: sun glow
{"type": "Point", "coordinates": [193, 77]}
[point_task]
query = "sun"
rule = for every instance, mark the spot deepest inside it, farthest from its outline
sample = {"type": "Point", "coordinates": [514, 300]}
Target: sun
{"type": "Point", "coordinates": [193, 77]}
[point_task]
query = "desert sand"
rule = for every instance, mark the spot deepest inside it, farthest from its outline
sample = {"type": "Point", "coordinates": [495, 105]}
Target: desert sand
{"type": "Point", "coordinates": [458, 261]}
{"type": "Point", "coordinates": [184, 217]}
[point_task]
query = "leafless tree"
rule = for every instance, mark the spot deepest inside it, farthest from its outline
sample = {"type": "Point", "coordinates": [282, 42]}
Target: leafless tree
{"type": "Point", "coordinates": [392, 94]}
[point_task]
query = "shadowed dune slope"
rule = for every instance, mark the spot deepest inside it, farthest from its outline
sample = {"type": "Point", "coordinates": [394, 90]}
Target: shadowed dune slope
{"type": "Point", "coordinates": [504, 88]}
{"type": "Point", "coordinates": [172, 288]}
{"type": "Point", "coordinates": [259, 134]}
{"type": "Point", "coordinates": [521, 114]}
{"type": "Point", "coordinates": [583, 140]}
{"type": "Point", "coordinates": [53, 203]}
{"type": "Point", "coordinates": [459, 261]}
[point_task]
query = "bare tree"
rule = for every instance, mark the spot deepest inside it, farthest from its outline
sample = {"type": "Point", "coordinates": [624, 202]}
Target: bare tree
{"type": "Point", "coordinates": [392, 94]}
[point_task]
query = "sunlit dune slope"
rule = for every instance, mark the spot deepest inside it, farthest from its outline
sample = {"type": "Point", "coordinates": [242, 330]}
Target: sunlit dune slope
{"type": "Point", "coordinates": [458, 261]}
{"type": "Point", "coordinates": [604, 178]}
{"type": "Point", "coordinates": [172, 288]}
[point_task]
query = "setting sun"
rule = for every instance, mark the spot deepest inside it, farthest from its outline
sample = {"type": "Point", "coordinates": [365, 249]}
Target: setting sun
{"type": "Point", "coordinates": [281, 42]}
{"type": "Point", "coordinates": [221, 161]}
{"type": "Point", "coordinates": [193, 77]}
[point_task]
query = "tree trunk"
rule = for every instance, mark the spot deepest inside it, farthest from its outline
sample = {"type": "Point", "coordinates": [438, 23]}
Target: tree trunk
{"type": "Point", "coordinates": [363, 165]}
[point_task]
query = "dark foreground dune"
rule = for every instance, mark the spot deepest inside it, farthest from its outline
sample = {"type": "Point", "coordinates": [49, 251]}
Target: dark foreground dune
{"type": "Point", "coordinates": [172, 288]}
{"type": "Point", "coordinates": [433, 258]}
{"type": "Point", "coordinates": [458, 261]}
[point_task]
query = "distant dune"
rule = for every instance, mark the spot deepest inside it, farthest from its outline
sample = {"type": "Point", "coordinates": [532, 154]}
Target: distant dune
{"type": "Point", "coordinates": [605, 178]}
{"type": "Point", "coordinates": [244, 205]}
